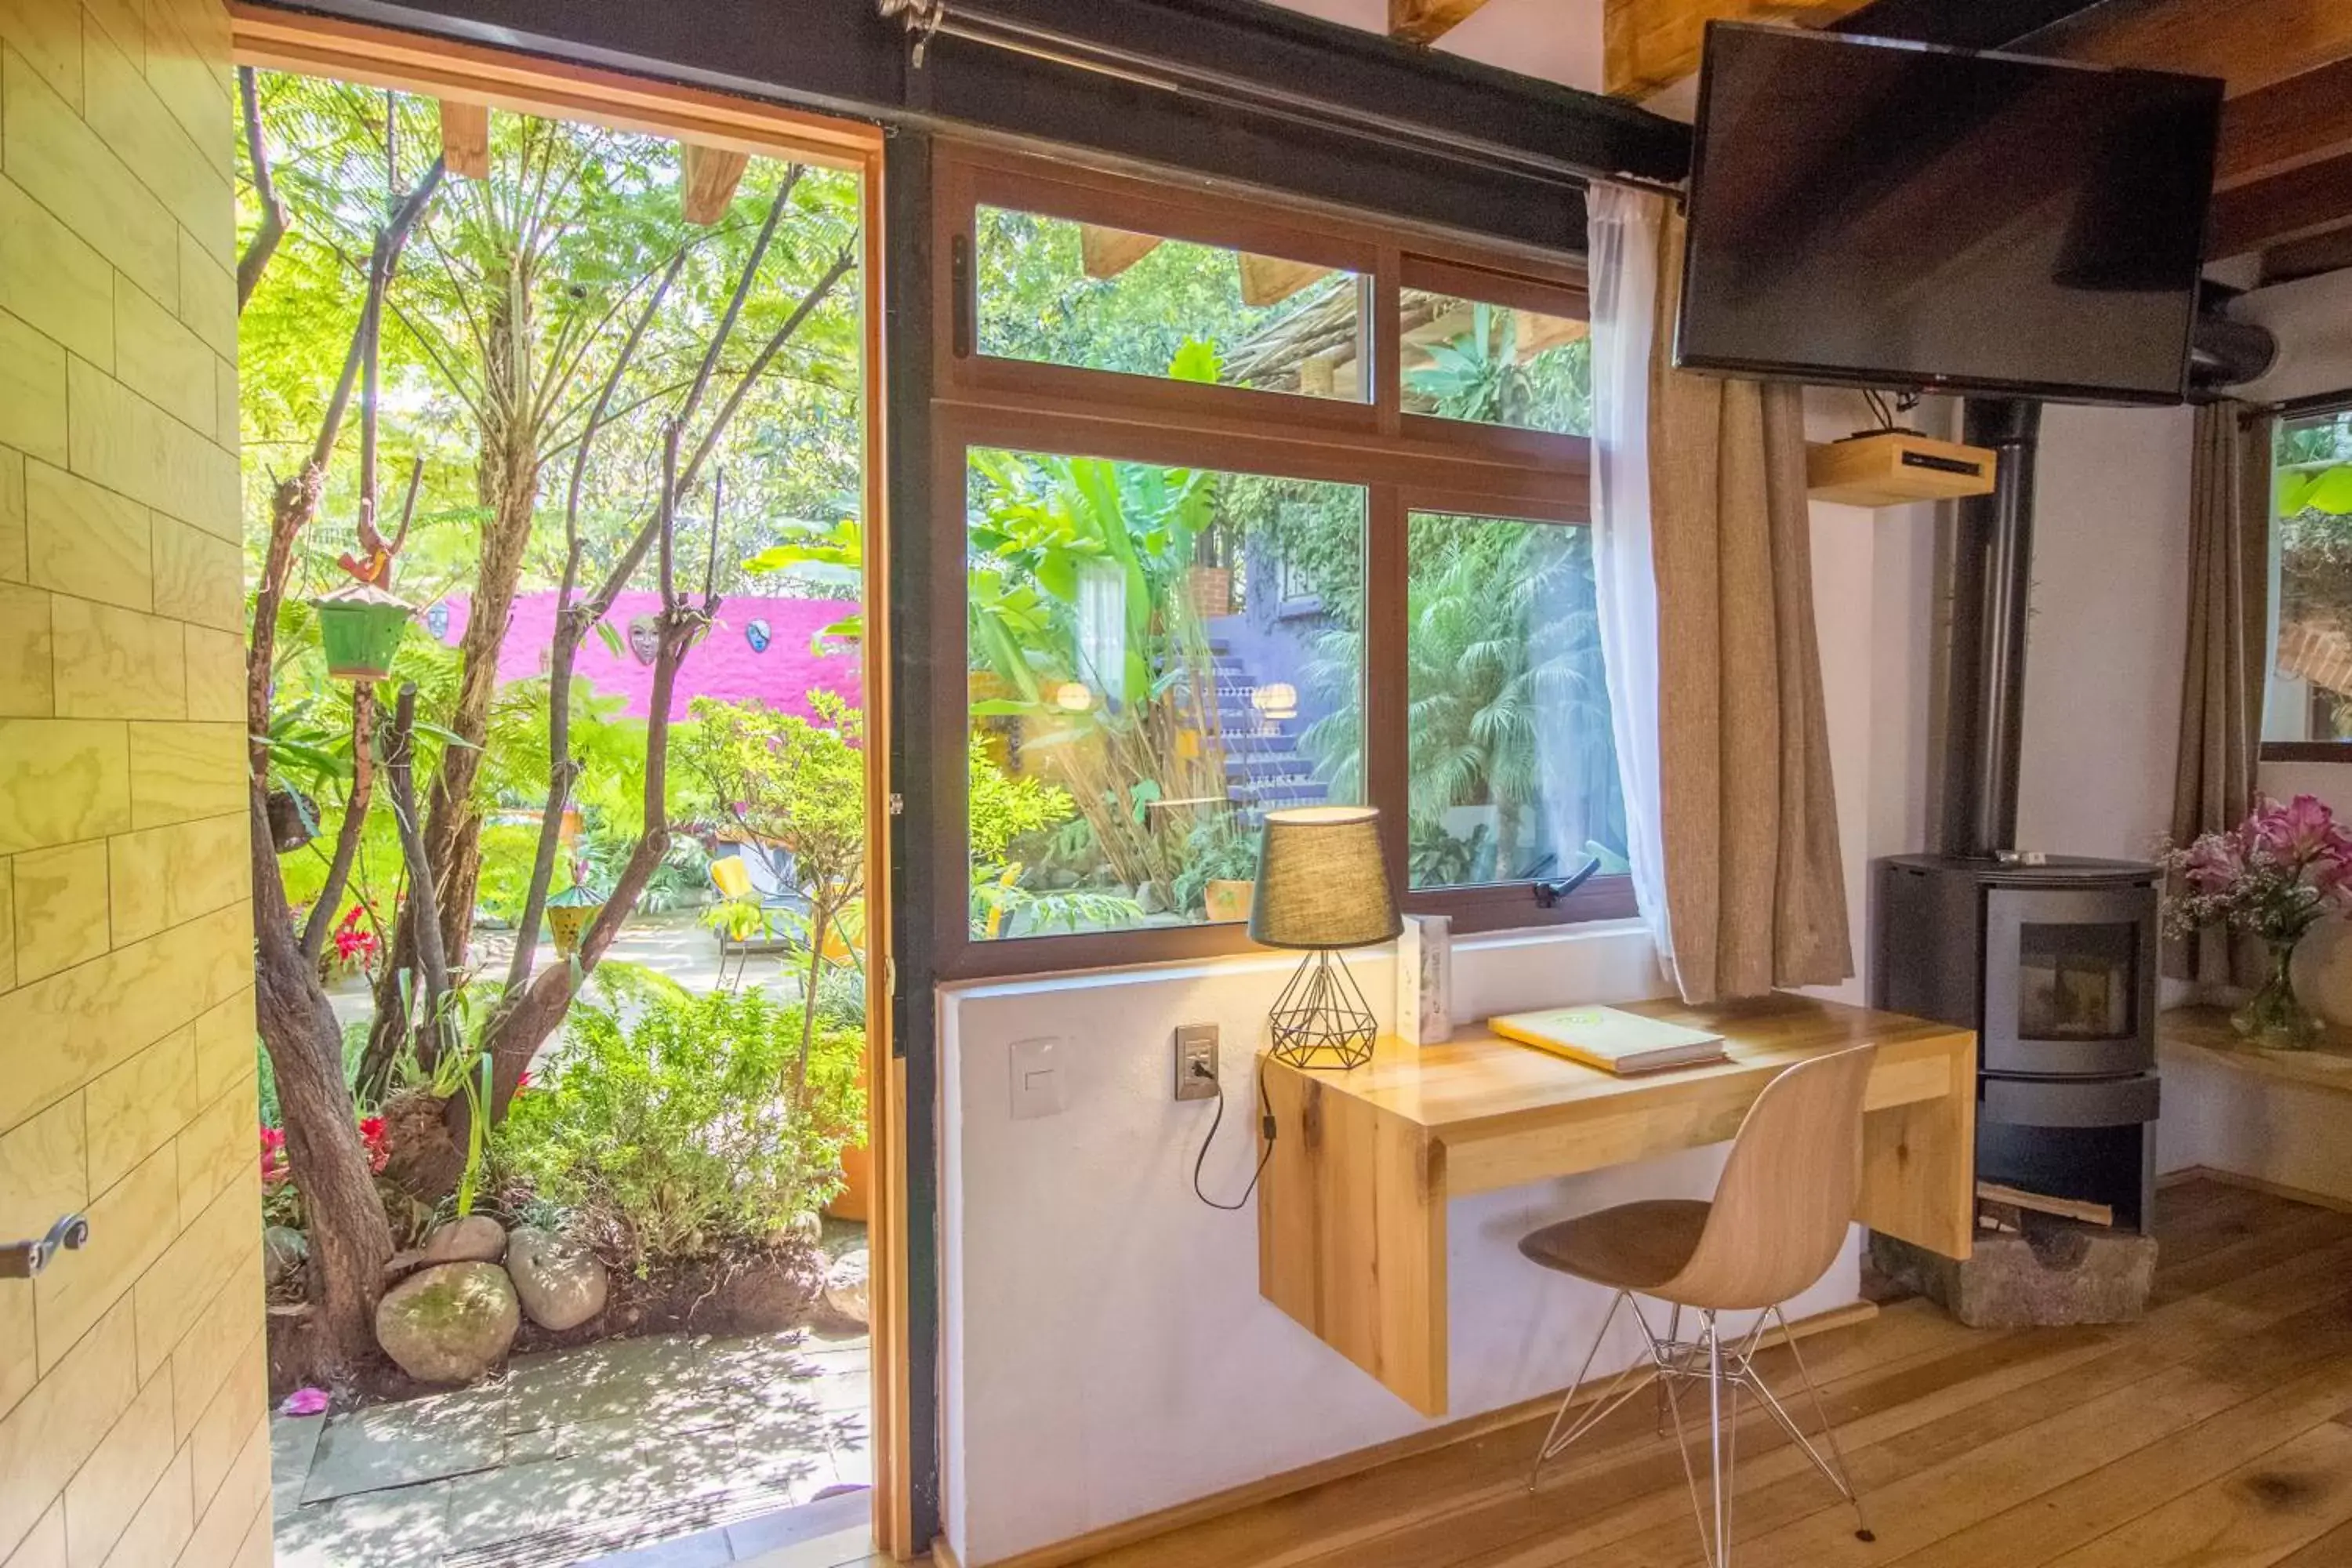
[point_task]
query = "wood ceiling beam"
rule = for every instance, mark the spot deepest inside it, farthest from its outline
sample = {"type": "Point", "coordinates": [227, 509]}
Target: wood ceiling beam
{"type": "Point", "coordinates": [1647, 45]}
{"type": "Point", "coordinates": [2307, 257]}
{"type": "Point", "coordinates": [2306, 118]}
{"type": "Point", "coordinates": [2250, 44]}
{"type": "Point", "coordinates": [708, 180]}
{"type": "Point", "coordinates": [2311, 200]}
{"type": "Point", "coordinates": [466, 138]}
{"type": "Point", "coordinates": [1426, 21]}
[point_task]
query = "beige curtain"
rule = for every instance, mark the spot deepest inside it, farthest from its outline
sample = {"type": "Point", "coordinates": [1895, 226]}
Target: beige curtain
{"type": "Point", "coordinates": [1755, 886]}
{"type": "Point", "coordinates": [2229, 622]}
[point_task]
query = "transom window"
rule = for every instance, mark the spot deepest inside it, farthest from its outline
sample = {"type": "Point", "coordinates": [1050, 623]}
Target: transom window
{"type": "Point", "coordinates": [1256, 508]}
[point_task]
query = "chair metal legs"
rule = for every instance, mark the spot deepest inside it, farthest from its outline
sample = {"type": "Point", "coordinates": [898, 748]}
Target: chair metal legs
{"type": "Point", "coordinates": [1726, 1364]}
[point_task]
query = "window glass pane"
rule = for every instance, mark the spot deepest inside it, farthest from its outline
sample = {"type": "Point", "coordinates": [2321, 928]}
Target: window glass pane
{"type": "Point", "coordinates": [1104, 299]}
{"type": "Point", "coordinates": [1513, 767]}
{"type": "Point", "coordinates": [1492, 364]}
{"type": "Point", "coordinates": [2310, 695]}
{"type": "Point", "coordinates": [1158, 657]}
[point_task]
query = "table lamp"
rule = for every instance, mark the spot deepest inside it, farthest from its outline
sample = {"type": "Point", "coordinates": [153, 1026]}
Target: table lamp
{"type": "Point", "coordinates": [1322, 885]}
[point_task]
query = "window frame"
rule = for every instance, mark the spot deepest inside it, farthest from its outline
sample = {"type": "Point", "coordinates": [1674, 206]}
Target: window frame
{"type": "Point", "coordinates": [1406, 463]}
{"type": "Point", "coordinates": [2336, 753]}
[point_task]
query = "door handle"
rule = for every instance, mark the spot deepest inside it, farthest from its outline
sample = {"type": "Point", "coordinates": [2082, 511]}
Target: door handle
{"type": "Point", "coordinates": [23, 1259]}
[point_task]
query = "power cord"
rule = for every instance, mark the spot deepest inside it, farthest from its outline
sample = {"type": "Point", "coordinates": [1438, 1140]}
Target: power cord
{"type": "Point", "coordinates": [1265, 1126]}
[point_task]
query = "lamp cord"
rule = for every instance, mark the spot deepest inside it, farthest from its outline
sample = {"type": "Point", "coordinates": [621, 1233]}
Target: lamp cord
{"type": "Point", "coordinates": [1266, 1125]}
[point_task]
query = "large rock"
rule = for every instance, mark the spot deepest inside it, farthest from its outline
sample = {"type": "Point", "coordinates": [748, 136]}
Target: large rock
{"type": "Point", "coordinates": [845, 1303]}
{"type": "Point", "coordinates": [284, 1251]}
{"type": "Point", "coordinates": [2058, 1272]}
{"type": "Point", "coordinates": [450, 1324]}
{"type": "Point", "coordinates": [561, 1282]}
{"type": "Point", "coordinates": [476, 1238]}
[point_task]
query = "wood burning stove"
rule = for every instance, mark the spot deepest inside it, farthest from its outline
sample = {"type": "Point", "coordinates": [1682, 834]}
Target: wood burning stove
{"type": "Point", "coordinates": [2055, 965]}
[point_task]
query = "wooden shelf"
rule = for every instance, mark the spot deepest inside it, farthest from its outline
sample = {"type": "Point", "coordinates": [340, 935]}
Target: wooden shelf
{"type": "Point", "coordinates": [2203, 1033]}
{"type": "Point", "coordinates": [1897, 469]}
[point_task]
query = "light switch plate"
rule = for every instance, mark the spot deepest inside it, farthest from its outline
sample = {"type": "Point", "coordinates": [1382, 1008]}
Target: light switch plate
{"type": "Point", "coordinates": [1196, 1045]}
{"type": "Point", "coordinates": [1037, 1077]}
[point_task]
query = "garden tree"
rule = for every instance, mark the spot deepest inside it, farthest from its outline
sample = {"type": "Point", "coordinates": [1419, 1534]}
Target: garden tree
{"type": "Point", "coordinates": [561, 309]}
{"type": "Point", "coordinates": [802, 788]}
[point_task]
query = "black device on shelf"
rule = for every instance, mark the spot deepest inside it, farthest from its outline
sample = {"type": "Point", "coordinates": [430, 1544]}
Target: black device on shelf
{"type": "Point", "coordinates": [1891, 215]}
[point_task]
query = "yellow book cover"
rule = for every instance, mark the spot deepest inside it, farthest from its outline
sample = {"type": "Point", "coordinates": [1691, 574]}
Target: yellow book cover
{"type": "Point", "coordinates": [1610, 1038]}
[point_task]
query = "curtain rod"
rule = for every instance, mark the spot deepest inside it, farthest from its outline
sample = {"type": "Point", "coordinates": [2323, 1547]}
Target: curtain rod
{"type": "Point", "coordinates": [925, 19]}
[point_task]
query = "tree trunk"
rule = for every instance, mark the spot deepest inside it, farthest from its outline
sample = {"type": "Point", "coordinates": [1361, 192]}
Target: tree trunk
{"type": "Point", "coordinates": [350, 1238]}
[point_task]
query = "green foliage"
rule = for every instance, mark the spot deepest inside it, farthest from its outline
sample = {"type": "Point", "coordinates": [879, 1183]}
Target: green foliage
{"type": "Point", "coordinates": [1480, 375]}
{"type": "Point", "coordinates": [1007, 809]}
{"type": "Point", "coordinates": [1217, 851]}
{"type": "Point", "coordinates": [786, 782]}
{"type": "Point", "coordinates": [667, 1115]}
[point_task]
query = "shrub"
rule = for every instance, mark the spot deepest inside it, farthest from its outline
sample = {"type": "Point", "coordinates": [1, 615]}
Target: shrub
{"type": "Point", "coordinates": [667, 1115]}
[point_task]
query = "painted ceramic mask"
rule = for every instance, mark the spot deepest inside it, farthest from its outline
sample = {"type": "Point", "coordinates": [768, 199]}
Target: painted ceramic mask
{"type": "Point", "coordinates": [437, 619]}
{"type": "Point", "coordinates": [759, 635]}
{"type": "Point", "coordinates": [645, 638]}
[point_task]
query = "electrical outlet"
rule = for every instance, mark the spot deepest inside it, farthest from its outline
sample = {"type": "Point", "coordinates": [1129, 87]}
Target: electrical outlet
{"type": "Point", "coordinates": [1196, 1061]}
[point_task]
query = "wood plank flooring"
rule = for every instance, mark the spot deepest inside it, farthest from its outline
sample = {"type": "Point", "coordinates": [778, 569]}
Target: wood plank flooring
{"type": "Point", "coordinates": [2217, 1433]}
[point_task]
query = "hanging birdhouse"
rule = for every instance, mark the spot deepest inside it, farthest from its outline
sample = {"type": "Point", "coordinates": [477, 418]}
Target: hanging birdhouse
{"type": "Point", "coordinates": [361, 627]}
{"type": "Point", "coordinates": [567, 914]}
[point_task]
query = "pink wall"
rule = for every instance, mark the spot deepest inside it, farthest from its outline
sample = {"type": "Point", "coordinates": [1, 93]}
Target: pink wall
{"type": "Point", "coordinates": [722, 664]}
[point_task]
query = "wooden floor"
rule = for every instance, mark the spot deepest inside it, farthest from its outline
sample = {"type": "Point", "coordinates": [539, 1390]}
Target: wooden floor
{"type": "Point", "coordinates": [2217, 1433]}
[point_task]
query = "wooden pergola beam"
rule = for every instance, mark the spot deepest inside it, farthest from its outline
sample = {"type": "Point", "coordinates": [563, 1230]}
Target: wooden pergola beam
{"type": "Point", "coordinates": [466, 138]}
{"type": "Point", "coordinates": [709, 181]}
{"type": "Point", "coordinates": [2306, 118]}
{"type": "Point", "coordinates": [2250, 44]}
{"type": "Point", "coordinates": [1107, 252]}
{"type": "Point", "coordinates": [2313, 199]}
{"type": "Point", "coordinates": [1426, 21]}
{"type": "Point", "coordinates": [1647, 45]}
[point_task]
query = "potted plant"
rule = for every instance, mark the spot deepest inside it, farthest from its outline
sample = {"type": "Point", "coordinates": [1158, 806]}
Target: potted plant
{"type": "Point", "coordinates": [2275, 875]}
{"type": "Point", "coordinates": [1220, 873]}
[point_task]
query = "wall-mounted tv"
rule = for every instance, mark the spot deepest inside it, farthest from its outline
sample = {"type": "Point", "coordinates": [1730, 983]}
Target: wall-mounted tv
{"type": "Point", "coordinates": [1876, 213]}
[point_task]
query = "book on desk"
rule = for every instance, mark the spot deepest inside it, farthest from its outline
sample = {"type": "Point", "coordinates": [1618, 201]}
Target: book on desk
{"type": "Point", "coordinates": [1611, 1040]}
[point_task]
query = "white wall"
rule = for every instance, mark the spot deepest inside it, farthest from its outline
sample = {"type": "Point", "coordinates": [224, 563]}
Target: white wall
{"type": "Point", "coordinates": [1107, 1351]}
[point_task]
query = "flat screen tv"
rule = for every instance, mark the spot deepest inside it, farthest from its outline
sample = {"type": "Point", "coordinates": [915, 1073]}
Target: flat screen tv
{"type": "Point", "coordinates": [1875, 214]}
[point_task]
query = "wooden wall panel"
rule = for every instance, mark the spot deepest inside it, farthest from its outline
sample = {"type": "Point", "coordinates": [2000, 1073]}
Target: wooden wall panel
{"type": "Point", "coordinates": [131, 1398]}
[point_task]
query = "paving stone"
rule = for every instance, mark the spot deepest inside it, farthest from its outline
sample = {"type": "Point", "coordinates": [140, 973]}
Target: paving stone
{"type": "Point", "coordinates": [704, 1549]}
{"type": "Point", "coordinates": [293, 1442]}
{"type": "Point", "coordinates": [659, 1379]}
{"type": "Point", "coordinates": [561, 1442]}
{"type": "Point", "coordinates": [850, 1514]}
{"type": "Point", "coordinates": [402, 1445]}
{"type": "Point", "coordinates": [403, 1529]}
{"type": "Point", "coordinates": [660, 1471]}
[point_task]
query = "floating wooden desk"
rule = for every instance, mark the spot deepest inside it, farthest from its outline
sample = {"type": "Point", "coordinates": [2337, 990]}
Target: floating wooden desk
{"type": "Point", "coordinates": [1351, 1211]}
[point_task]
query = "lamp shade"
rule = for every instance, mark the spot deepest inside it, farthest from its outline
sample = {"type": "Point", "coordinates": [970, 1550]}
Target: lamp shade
{"type": "Point", "coordinates": [1322, 880]}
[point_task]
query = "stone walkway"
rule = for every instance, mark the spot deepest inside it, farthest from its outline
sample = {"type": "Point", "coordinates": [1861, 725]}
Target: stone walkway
{"type": "Point", "coordinates": [574, 1455]}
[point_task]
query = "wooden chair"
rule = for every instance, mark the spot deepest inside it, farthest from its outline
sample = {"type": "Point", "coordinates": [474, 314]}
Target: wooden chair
{"type": "Point", "coordinates": [1776, 1222]}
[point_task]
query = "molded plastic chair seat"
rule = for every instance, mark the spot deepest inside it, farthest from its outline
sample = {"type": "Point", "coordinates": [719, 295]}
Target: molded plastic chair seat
{"type": "Point", "coordinates": [1633, 1246]}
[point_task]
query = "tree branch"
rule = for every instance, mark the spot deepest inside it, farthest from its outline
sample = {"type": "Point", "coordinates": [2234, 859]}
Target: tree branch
{"type": "Point", "coordinates": [399, 761]}
{"type": "Point", "coordinates": [743, 291]}
{"type": "Point", "coordinates": [347, 836]}
{"type": "Point", "coordinates": [263, 244]}
{"type": "Point", "coordinates": [801, 312]}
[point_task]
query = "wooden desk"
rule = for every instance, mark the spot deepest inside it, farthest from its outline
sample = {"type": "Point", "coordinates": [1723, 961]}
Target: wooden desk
{"type": "Point", "coordinates": [1351, 1210]}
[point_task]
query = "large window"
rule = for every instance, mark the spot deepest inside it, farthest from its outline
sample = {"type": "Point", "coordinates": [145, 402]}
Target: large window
{"type": "Point", "coordinates": [2308, 713]}
{"type": "Point", "coordinates": [1254, 509]}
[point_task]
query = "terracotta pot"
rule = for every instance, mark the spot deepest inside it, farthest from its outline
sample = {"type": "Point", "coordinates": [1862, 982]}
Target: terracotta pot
{"type": "Point", "coordinates": [1228, 899]}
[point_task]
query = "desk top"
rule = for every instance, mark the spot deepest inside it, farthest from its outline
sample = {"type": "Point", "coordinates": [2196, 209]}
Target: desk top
{"type": "Point", "coordinates": [1477, 1080]}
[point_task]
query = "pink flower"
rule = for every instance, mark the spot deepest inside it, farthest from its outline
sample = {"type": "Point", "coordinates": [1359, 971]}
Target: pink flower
{"type": "Point", "coordinates": [2214, 862]}
{"type": "Point", "coordinates": [304, 1402]}
{"type": "Point", "coordinates": [2296, 831]}
{"type": "Point", "coordinates": [274, 1166]}
{"type": "Point", "coordinates": [523, 1082]}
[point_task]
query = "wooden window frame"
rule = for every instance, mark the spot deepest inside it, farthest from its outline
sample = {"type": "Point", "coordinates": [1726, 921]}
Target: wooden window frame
{"type": "Point", "coordinates": [1406, 463]}
{"type": "Point", "coordinates": [437, 67]}
{"type": "Point", "coordinates": [2335, 753]}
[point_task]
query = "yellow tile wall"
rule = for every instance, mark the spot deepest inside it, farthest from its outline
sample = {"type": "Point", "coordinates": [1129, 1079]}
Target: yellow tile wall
{"type": "Point", "coordinates": [132, 1384]}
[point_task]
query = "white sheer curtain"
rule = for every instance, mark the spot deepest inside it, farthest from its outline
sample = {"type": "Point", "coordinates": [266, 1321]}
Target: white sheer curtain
{"type": "Point", "coordinates": [1624, 229]}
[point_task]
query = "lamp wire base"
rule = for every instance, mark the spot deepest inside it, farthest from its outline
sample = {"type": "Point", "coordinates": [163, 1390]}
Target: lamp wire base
{"type": "Point", "coordinates": [1321, 1020]}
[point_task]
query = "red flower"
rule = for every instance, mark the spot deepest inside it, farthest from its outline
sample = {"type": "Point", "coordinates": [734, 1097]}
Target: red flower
{"type": "Point", "coordinates": [354, 945]}
{"type": "Point", "coordinates": [523, 1082]}
{"type": "Point", "coordinates": [371, 1136]}
{"type": "Point", "coordinates": [274, 1166]}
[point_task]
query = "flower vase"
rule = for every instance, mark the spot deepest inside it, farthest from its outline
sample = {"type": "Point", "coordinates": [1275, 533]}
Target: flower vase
{"type": "Point", "coordinates": [2274, 1017]}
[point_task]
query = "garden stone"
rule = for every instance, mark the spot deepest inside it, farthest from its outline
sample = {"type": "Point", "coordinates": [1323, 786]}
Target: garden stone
{"type": "Point", "coordinates": [561, 1282]}
{"type": "Point", "coordinates": [449, 1323]}
{"type": "Point", "coordinates": [475, 1238]}
{"type": "Point", "coordinates": [284, 1251]}
{"type": "Point", "coordinates": [844, 1289]}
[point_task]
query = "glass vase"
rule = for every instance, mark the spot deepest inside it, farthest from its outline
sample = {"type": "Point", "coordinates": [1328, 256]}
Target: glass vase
{"type": "Point", "coordinates": [2274, 1017]}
